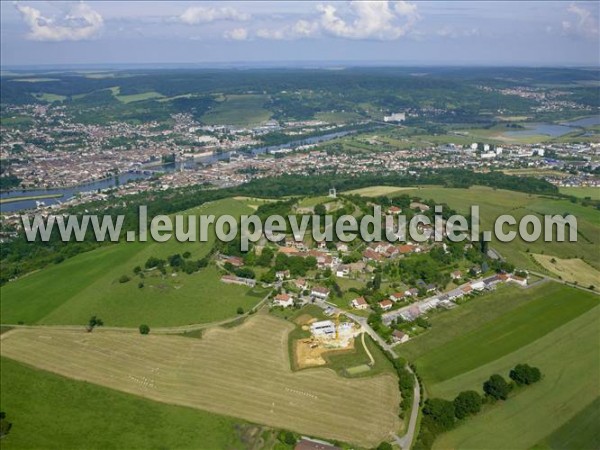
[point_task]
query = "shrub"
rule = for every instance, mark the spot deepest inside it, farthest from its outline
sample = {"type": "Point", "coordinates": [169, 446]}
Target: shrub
{"type": "Point", "coordinates": [496, 387]}
{"type": "Point", "coordinates": [124, 279]}
{"type": "Point", "coordinates": [144, 329]}
{"type": "Point", "coordinates": [525, 374]}
{"type": "Point", "coordinates": [467, 403]}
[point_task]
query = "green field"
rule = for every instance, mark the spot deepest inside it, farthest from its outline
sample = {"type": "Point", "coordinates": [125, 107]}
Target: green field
{"type": "Point", "coordinates": [75, 411]}
{"type": "Point", "coordinates": [581, 431]}
{"type": "Point", "coordinates": [240, 110]}
{"type": "Point", "coordinates": [569, 360]}
{"type": "Point", "coordinates": [87, 284]}
{"type": "Point", "coordinates": [550, 326]}
{"type": "Point", "coordinates": [475, 314]}
{"type": "Point", "coordinates": [48, 97]}
{"type": "Point", "coordinates": [582, 192]}
{"type": "Point", "coordinates": [504, 335]}
{"type": "Point", "coordinates": [495, 202]}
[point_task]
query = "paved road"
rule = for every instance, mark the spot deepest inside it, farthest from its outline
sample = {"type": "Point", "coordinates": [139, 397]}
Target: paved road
{"type": "Point", "coordinates": [405, 441]}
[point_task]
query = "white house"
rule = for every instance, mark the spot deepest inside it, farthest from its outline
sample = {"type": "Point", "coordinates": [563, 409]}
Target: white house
{"type": "Point", "coordinates": [478, 285]}
{"type": "Point", "coordinates": [359, 303]}
{"type": "Point", "coordinates": [283, 300]}
{"type": "Point", "coordinates": [386, 304]}
{"type": "Point", "coordinates": [400, 337]}
{"type": "Point", "coordinates": [342, 271]}
{"type": "Point", "coordinates": [320, 292]}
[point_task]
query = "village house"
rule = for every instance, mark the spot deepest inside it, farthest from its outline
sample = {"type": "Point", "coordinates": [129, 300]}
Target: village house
{"type": "Point", "coordinates": [283, 300]}
{"type": "Point", "coordinates": [456, 275]}
{"type": "Point", "coordinates": [371, 255]}
{"type": "Point", "coordinates": [386, 304]}
{"type": "Point", "coordinates": [341, 247]}
{"type": "Point", "coordinates": [394, 210]}
{"type": "Point", "coordinates": [282, 274]}
{"type": "Point", "coordinates": [397, 296]}
{"type": "Point", "coordinates": [399, 337]}
{"type": "Point", "coordinates": [359, 303]}
{"type": "Point", "coordinates": [235, 261]}
{"type": "Point", "coordinates": [301, 283]}
{"type": "Point", "coordinates": [420, 206]}
{"type": "Point", "coordinates": [320, 292]}
{"type": "Point", "coordinates": [412, 292]}
{"type": "Point", "coordinates": [342, 271]}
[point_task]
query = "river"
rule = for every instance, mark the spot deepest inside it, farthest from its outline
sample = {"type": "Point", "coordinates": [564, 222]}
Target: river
{"type": "Point", "coordinates": [68, 192]}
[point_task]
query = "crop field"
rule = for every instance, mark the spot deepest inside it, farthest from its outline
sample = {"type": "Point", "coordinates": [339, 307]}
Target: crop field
{"type": "Point", "coordinates": [87, 284]}
{"type": "Point", "coordinates": [241, 110]}
{"type": "Point", "coordinates": [495, 202]}
{"type": "Point", "coordinates": [504, 335]}
{"type": "Point", "coordinates": [569, 360]}
{"type": "Point", "coordinates": [572, 270]}
{"type": "Point", "coordinates": [242, 372]}
{"type": "Point", "coordinates": [107, 418]}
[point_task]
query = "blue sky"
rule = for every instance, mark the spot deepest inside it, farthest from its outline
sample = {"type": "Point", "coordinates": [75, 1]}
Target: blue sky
{"type": "Point", "coordinates": [383, 32]}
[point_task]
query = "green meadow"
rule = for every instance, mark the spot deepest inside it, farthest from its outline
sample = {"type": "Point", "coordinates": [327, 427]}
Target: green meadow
{"type": "Point", "coordinates": [105, 419]}
{"type": "Point", "coordinates": [550, 326]}
{"type": "Point", "coordinates": [88, 284]}
{"type": "Point", "coordinates": [505, 334]}
{"type": "Point", "coordinates": [570, 362]}
{"type": "Point", "coordinates": [495, 202]}
{"type": "Point", "coordinates": [240, 110]}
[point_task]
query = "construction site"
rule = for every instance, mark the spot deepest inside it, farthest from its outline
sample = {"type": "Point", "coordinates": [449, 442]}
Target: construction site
{"type": "Point", "coordinates": [326, 336]}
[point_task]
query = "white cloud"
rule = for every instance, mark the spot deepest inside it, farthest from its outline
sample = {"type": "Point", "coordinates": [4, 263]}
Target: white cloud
{"type": "Point", "coordinates": [205, 14]}
{"type": "Point", "coordinates": [80, 23]}
{"type": "Point", "coordinates": [384, 20]}
{"type": "Point", "coordinates": [237, 34]}
{"type": "Point", "coordinates": [585, 24]}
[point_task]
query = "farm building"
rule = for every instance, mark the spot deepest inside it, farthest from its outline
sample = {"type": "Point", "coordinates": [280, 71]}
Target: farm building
{"type": "Point", "coordinates": [232, 279]}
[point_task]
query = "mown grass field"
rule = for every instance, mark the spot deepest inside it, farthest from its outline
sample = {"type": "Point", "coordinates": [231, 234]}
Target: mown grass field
{"type": "Point", "coordinates": [52, 412]}
{"type": "Point", "coordinates": [241, 110]}
{"type": "Point", "coordinates": [573, 270]}
{"type": "Point", "coordinates": [570, 363]}
{"type": "Point", "coordinates": [242, 372]}
{"type": "Point", "coordinates": [87, 284]}
{"type": "Point", "coordinates": [504, 335]}
{"type": "Point", "coordinates": [475, 314]}
{"type": "Point", "coordinates": [495, 202]}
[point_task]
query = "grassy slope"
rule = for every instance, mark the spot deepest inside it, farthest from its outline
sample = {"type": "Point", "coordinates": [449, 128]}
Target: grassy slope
{"type": "Point", "coordinates": [75, 412]}
{"type": "Point", "coordinates": [494, 203]}
{"type": "Point", "coordinates": [569, 360]}
{"type": "Point", "coordinates": [582, 192]}
{"type": "Point", "coordinates": [70, 292]}
{"type": "Point", "coordinates": [504, 335]}
{"type": "Point", "coordinates": [242, 110]}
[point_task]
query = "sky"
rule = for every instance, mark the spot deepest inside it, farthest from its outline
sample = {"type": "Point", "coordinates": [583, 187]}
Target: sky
{"type": "Point", "coordinates": [537, 33]}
